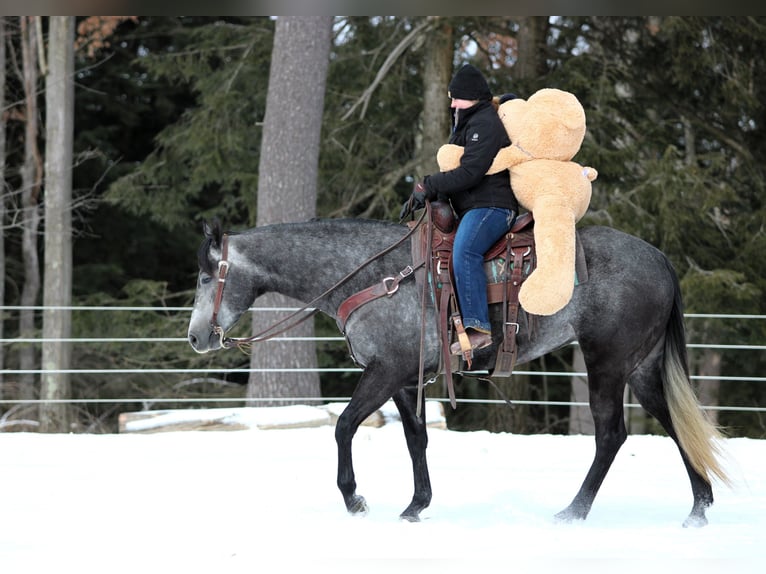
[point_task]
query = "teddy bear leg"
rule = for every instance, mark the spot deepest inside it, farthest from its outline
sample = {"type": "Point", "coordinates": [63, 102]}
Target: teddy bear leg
{"type": "Point", "coordinates": [550, 286]}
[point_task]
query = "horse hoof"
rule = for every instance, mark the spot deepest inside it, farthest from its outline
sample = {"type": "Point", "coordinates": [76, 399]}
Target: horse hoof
{"type": "Point", "coordinates": [358, 506]}
{"type": "Point", "coordinates": [410, 516]}
{"type": "Point", "coordinates": [695, 521]}
{"type": "Point", "coordinates": [568, 515]}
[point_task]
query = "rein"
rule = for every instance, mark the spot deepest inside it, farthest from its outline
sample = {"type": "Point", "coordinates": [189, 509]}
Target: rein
{"type": "Point", "coordinates": [293, 319]}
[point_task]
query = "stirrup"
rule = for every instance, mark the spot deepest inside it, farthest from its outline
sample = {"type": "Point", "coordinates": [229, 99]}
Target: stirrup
{"type": "Point", "coordinates": [465, 343]}
{"type": "Point", "coordinates": [468, 345]}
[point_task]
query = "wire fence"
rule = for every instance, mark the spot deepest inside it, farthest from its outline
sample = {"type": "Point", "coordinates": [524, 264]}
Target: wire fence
{"type": "Point", "coordinates": [331, 339]}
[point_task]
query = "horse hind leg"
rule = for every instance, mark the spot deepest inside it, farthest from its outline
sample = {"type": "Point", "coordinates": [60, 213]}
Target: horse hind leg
{"type": "Point", "coordinates": [607, 409]}
{"type": "Point", "coordinates": [677, 410]}
{"type": "Point", "coordinates": [417, 440]}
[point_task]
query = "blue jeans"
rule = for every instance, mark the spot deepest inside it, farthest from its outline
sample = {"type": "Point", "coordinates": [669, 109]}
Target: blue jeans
{"type": "Point", "coordinates": [477, 231]}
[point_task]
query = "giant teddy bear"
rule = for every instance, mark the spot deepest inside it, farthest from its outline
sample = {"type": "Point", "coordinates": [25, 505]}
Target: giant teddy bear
{"type": "Point", "coordinates": [546, 132]}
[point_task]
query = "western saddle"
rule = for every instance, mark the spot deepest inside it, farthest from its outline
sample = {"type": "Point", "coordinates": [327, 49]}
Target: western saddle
{"type": "Point", "coordinates": [507, 264]}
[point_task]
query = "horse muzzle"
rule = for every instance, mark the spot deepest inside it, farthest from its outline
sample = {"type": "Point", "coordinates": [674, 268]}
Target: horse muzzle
{"type": "Point", "coordinates": [205, 342]}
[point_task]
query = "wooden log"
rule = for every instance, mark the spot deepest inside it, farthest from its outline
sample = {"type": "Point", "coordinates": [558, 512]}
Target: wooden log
{"type": "Point", "coordinates": [227, 419]}
{"type": "Point", "coordinates": [244, 418]}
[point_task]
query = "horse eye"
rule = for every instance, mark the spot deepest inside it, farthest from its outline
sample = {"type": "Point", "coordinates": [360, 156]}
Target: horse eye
{"type": "Point", "coordinates": [205, 279]}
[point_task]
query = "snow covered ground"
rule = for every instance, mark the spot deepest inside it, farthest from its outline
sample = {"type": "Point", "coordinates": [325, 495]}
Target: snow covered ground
{"type": "Point", "coordinates": [266, 501]}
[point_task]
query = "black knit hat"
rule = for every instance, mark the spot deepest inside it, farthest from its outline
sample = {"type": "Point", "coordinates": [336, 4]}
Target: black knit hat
{"type": "Point", "coordinates": [469, 84]}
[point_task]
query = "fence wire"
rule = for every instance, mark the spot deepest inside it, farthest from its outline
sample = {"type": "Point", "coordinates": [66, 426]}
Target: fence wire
{"type": "Point", "coordinates": [212, 399]}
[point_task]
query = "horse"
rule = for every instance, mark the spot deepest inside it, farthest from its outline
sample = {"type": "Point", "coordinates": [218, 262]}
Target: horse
{"type": "Point", "coordinates": [627, 319]}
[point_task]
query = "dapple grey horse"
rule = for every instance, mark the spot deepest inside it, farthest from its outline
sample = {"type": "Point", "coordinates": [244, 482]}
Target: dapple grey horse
{"type": "Point", "coordinates": [627, 319]}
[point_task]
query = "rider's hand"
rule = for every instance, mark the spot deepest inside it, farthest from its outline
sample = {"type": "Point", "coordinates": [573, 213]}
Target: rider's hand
{"type": "Point", "coordinates": [417, 199]}
{"type": "Point", "coordinates": [419, 195]}
{"type": "Point", "coordinates": [406, 209]}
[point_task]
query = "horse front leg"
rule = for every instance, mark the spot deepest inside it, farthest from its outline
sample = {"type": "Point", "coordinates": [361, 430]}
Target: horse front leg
{"type": "Point", "coordinates": [345, 429]}
{"type": "Point", "coordinates": [415, 432]}
{"type": "Point", "coordinates": [606, 407]}
{"type": "Point", "coordinates": [371, 392]}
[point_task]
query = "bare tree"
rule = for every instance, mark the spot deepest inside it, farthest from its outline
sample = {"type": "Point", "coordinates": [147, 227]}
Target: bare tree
{"type": "Point", "coordinates": [57, 287]}
{"type": "Point", "coordinates": [287, 184]}
{"type": "Point", "coordinates": [31, 173]}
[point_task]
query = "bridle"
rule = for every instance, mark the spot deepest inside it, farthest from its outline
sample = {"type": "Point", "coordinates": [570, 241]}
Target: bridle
{"type": "Point", "coordinates": [295, 318]}
{"type": "Point", "coordinates": [243, 343]}
{"type": "Point", "coordinates": [223, 269]}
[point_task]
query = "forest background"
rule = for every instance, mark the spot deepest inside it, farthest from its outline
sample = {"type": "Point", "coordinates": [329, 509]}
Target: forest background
{"type": "Point", "coordinates": [168, 121]}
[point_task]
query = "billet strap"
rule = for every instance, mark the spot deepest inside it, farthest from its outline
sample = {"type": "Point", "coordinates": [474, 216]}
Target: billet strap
{"type": "Point", "coordinates": [506, 354]}
{"type": "Point", "coordinates": [581, 269]}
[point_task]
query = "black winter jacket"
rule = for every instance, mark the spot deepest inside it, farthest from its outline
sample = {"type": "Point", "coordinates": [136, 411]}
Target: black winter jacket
{"type": "Point", "coordinates": [479, 130]}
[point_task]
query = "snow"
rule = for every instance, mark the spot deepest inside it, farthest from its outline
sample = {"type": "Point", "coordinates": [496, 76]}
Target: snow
{"type": "Point", "coordinates": [266, 501]}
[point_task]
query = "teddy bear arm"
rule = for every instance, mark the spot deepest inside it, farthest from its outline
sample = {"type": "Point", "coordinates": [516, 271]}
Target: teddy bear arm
{"type": "Point", "coordinates": [448, 156]}
{"type": "Point", "coordinates": [514, 155]}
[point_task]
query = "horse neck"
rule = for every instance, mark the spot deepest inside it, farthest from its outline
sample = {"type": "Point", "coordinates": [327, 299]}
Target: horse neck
{"type": "Point", "coordinates": [303, 260]}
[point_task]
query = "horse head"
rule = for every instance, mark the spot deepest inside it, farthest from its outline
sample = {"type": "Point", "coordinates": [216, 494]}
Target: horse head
{"type": "Point", "coordinates": [224, 289]}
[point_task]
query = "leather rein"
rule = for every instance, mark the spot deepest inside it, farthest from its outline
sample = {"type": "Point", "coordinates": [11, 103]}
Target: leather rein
{"type": "Point", "coordinates": [302, 314]}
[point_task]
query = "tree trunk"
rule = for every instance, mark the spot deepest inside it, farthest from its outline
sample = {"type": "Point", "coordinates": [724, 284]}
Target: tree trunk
{"type": "Point", "coordinates": [30, 182]}
{"type": "Point", "coordinates": [2, 203]}
{"type": "Point", "coordinates": [531, 63]}
{"type": "Point", "coordinates": [437, 53]}
{"type": "Point", "coordinates": [500, 417]}
{"type": "Point", "coordinates": [580, 417]}
{"type": "Point", "coordinates": [57, 288]}
{"type": "Point", "coordinates": [709, 389]}
{"type": "Point", "coordinates": [437, 71]}
{"type": "Point", "coordinates": [709, 363]}
{"type": "Point", "coordinates": [531, 40]}
{"type": "Point", "coordinates": [287, 186]}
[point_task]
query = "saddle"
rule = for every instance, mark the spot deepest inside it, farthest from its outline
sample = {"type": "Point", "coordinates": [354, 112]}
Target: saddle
{"type": "Point", "coordinates": [507, 264]}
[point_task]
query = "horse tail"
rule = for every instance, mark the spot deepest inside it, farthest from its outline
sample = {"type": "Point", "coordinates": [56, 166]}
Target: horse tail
{"type": "Point", "coordinates": [698, 437]}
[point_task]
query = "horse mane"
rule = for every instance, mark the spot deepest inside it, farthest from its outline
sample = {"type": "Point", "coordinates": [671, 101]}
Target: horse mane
{"type": "Point", "coordinates": [321, 226]}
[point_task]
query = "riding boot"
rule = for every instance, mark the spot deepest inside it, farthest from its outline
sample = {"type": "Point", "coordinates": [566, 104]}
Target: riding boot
{"type": "Point", "coordinates": [478, 340]}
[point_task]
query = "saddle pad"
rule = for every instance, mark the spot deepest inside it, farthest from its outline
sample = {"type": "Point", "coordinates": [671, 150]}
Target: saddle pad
{"type": "Point", "coordinates": [495, 270]}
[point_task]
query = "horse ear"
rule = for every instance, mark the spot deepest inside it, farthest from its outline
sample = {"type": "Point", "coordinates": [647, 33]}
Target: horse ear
{"type": "Point", "coordinates": [212, 231]}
